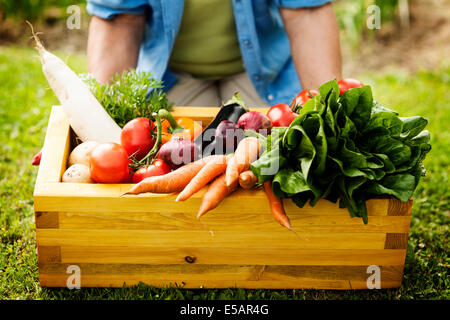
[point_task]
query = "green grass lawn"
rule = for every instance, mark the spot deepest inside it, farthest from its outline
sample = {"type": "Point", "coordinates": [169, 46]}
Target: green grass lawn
{"type": "Point", "coordinates": [25, 101]}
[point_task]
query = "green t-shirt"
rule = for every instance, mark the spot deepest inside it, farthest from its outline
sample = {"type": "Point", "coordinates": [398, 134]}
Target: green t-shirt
{"type": "Point", "coordinates": [207, 46]}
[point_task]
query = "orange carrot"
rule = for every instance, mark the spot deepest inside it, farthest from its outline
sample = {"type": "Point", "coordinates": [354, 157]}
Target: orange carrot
{"type": "Point", "coordinates": [217, 191]}
{"type": "Point", "coordinates": [246, 152]}
{"type": "Point", "coordinates": [276, 206]}
{"type": "Point", "coordinates": [217, 165]}
{"type": "Point", "coordinates": [173, 181]}
{"type": "Point", "coordinates": [247, 179]}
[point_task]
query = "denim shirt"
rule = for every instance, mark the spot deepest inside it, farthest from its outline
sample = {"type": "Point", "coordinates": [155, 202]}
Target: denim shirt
{"type": "Point", "coordinates": [262, 39]}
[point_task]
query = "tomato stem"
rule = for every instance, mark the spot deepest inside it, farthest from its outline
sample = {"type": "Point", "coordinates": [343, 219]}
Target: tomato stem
{"type": "Point", "coordinates": [154, 150]}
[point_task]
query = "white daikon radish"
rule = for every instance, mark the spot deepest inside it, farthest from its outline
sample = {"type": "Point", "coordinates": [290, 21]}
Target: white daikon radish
{"type": "Point", "coordinates": [86, 115]}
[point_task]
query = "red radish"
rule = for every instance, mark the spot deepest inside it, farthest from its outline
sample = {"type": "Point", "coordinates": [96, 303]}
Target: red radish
{"type": "Point", "coordinates": [37, 159]}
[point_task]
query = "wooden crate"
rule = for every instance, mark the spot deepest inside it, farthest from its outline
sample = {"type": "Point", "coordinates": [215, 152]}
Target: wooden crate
{"type": "Point", "coordinates": [153, 239]}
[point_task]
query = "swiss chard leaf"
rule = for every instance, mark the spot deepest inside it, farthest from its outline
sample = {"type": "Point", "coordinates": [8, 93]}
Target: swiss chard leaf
{"type": "Point", "coordinates": [400, 186]}
{"type": "Point", "coordinates": [412, 126]}
{"type": "Point", "coordinates": [349, 148]}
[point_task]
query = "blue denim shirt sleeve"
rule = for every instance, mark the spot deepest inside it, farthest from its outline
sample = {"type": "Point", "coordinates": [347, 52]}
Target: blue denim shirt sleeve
{"type": "Point", "coordinates": [293, 4]}
{"type": "Point", "coordinates": [106, 9]}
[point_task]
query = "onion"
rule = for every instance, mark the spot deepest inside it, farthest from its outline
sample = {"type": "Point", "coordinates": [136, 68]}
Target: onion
{"type": "Point", "coordinates": [178, 152]}
{"type": "Point", "coordinates": [256, 121]}
{"type": "Point", "coordinates": [229, 134]}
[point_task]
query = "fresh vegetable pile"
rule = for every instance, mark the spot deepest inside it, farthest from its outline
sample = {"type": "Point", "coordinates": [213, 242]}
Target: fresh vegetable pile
{"type": "Point", "coordinates": [345, 147]}
{"type": "Point", "coordinates": [336, 143]}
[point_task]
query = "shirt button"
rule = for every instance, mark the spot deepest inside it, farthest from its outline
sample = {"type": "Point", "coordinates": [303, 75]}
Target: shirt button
{"type": "Point", "coordinates": [256, 78]}
{"type": "Point", "coordinates": [270, 97]}
{"type": "Point", "coordinates": [246, 42]}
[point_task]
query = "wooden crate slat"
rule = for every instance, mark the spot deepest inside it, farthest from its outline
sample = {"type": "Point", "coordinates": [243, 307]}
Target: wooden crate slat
{"type": "Point", "coordinates": [249, 239]}
{"type": "Point", "coordinates": [230, 255]}
{"type": "Point", "coordinates": [263, 222]}
{"type": "Point", "coordinates": [202, 114]}
{"type": "Point", "coordinates": [107, 198]}
{"type": "Point", "coordinates": [286, 276]}
{"type": "Point", "coordinates": [56, 148]}
{"type": "Point", "coordinates": [46, 280]}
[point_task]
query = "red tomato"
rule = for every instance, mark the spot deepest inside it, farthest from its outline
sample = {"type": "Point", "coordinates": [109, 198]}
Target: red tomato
{"type": "Point", "coordinates": [158, 168]}
{"type": "Point", "coordinates": [109, 163]}
{"type": "Point", "coordinates": [303, 97]}
{"type": "Point", "coordinates": [281, 115]}
{"type": "Point", "coordinates": [346, 84]}
{"type": "Point", "coordinates": [129, 178]}
{"type": "Point", "coordinates": [136, 137]}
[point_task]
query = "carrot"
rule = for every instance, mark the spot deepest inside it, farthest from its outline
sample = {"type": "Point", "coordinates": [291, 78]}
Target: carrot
{"type": "Point", "coordinates": [217, 165]}
{"type": "Point", "coordinates": [217, 191]}
{"type": "Point", "coordinates": [246, 152]}
{"type": "Point", "coordinates": [276, 206]}
{"type": "Point", "coordinates": [173, 181]}
{"type": "Point", "coordinates": [247, 179]}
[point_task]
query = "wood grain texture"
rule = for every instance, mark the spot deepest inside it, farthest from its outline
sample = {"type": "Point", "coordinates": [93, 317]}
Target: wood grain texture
{"type": "Point", "coordinates": [194, 276]}
{"type": "Point", "coordinates": [49, 254]}
{"type": "Point", "coordinates": [115, 281]}
{"type": "Point", "coordinates": [56, 148]}
{"type": "Point", "coordinates": [231, 256]}
{"type": "Point", "coordinates": [47, 220]}
{"type": "Point", "coordinates": [396, 241]}
{"type": "Point", "coordinates": [400, 208]}
{"type": "Point", "coordinates": [84, 197]}
{"type": "Point", "coordinates": [262, 222]}
{"type": "Point", "coordinates": [220, 239]}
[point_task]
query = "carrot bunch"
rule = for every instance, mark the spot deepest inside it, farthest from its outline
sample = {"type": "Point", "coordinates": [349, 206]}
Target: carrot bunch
{"type": "Point", "coordinates": [225, 174]}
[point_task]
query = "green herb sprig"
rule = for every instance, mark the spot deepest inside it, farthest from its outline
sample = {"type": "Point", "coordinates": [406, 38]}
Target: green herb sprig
{"type": "Point", "coordinates": [127, 96]}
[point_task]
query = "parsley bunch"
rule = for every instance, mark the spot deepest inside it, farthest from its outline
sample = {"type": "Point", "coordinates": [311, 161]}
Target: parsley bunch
{"type": "Point", "coordinates": [133, 94]}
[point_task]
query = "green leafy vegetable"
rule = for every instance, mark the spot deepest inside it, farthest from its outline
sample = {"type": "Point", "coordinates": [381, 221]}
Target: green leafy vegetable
{"type": "Point", "coordinates": [346, 147]}
{"type": "Point", "coordinates": [131, 95]}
